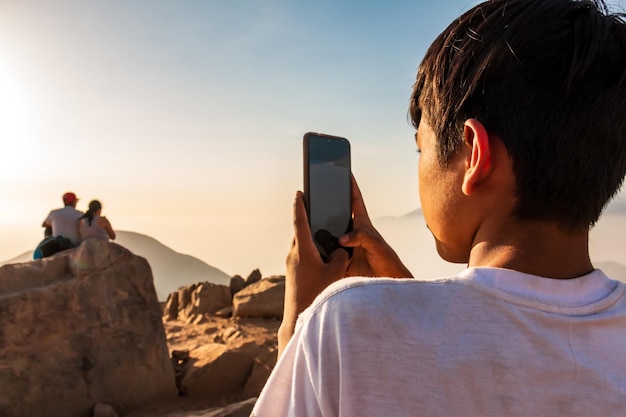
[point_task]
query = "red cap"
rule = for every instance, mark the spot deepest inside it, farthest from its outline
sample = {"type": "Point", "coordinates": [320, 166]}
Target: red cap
{"type": "Point", "coordinates": [69, 198]}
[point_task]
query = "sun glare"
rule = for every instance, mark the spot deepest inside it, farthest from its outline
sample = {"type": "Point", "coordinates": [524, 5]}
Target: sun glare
{"type": "Point", "coordinates": [17, 125]}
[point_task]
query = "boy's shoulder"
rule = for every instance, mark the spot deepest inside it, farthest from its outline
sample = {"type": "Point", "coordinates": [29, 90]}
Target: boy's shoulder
{"type": "Point", "coordinates": [497, 287]}
{"type": "Point", "coordinates": [357, 292]}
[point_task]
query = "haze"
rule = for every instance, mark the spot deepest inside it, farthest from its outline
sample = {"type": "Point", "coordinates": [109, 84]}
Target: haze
{"type": "Point", "coordinates": [185, 119]}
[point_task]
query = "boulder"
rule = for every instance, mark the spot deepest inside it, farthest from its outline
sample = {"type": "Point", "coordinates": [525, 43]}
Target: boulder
{"type": "Point", "coordinates": [80, 328]}
{"type": "Point", "coordinates": [104, 410]}
{"type": "Point", "coordinates": [263, 298]}
{"type": "Point", "coordinates": [265, 358]}
{"type": "Point", "coordinates": [225, 312]}
{"type": "Point", "coordinates": [253, 277]}
{"type": "Point", "coordinates": [219, 373]}
{"type": "Point", "coordinates": [170, 311]}
{"type": "Point", "coordinates": [203, 298]}
{"type": "Point", "coordinates": [240, 409]}
{"type": "Point", "coordinates": [237, 283]}
{"type": "Point", "coordinates": [225, 360]}
{"type": "Point", "coordinates": [184, 295]}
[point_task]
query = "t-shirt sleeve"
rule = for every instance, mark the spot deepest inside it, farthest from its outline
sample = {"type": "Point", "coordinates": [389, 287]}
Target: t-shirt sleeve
{"type": "Point", "coordinates": [307, 380]}
{"type": "Point", "coordinates": [289, 391]}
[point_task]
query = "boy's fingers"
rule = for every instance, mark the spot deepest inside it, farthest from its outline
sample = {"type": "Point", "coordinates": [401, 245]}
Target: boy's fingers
{"type": "Point", "coordinates": [358, 205]}
{"type": "Point", "coordinates": [302, 231]}
{"type": "Point", "coordinates": [338, 256]}
{"type": "Point", "coordinates": [300, 221]}
{"type": "Point", "coordinates": [357, 237]}
{"type": "Point", "coordinates": [338, 261]}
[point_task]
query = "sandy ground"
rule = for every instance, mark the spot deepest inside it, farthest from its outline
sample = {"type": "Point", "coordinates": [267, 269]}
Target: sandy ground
{"type": "Point", "coordinates": [181, 336]}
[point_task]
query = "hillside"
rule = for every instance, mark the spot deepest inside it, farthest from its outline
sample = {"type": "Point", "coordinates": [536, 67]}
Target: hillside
{"type": "Point", "coordinates": [170, 269]}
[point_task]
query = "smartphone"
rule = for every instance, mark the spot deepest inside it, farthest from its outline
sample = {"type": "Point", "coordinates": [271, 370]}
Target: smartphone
{"type": "Point", "coordinates": [327, 189]}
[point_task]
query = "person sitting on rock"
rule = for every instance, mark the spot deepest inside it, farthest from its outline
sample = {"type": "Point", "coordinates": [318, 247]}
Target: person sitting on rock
{"type": "Point", "coordinates": [61, 228]}
{"type": "Point", "coordinates": [95, 226]}
{"type": "Point", "coordinates": [64, 221]}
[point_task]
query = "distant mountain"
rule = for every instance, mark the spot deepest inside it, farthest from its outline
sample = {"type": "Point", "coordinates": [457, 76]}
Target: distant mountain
{"type": "Point", "coordinates": [414, 243]}
{"type": "Point", "coordinates": [617, 206]}
{"type": "Point", "coordinates": [612, 269]}
{"type": "Point", "coordinates": [415, 213]}
{"type": "Point", "coordinates": [170, 269]}
{"type": "Point", "coordinates": [24, 257]}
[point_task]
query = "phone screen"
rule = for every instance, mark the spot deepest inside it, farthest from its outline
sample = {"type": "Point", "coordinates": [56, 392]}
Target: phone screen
{"type": "Point", "coordinates": [327, 189]}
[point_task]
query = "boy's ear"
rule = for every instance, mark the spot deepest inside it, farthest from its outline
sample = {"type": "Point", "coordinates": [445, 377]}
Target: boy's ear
{"type": "Point", "coordinates": [478, 164]}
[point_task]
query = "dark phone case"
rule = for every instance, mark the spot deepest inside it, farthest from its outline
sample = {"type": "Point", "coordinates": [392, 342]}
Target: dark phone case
{"type": "Point", "coordinates": [305, 144]}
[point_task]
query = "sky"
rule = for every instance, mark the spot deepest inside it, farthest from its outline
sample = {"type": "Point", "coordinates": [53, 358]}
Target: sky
{"type": "Point", "coordinates": [185, 119]}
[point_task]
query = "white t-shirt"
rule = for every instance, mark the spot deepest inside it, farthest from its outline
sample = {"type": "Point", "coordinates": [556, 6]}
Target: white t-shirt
{"type": "Point", "coordinates": [490, 342]}
{"type": "Point", "coordinates": [64, 222]}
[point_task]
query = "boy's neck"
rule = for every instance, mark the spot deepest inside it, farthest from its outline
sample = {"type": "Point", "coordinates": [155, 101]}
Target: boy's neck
{"type": "Point", "coordinates": [536, 248]}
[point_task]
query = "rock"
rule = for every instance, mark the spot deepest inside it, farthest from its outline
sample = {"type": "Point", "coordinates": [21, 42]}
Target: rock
{"type": "Point", "coordinates": [80, 328]}
{"type": "Point", "coordinates": [181, 363]}
{"type": "Point", "coordinates": [222, 360]}
{"type": "Point", "coordinates": [237, 283]}
{"type": "Point", "coordinates": [204, 298]}
{"type": "Point", "coordinates": [170, 312]}
{"type": "Point", "coordinates": [265, 358]}
{"type": "Point", "coordinates": [253, 277]}
{"type": "Point", "coordinates": [104, 410]}
{"type": "Point", "coordinates": [219, 374]}
{"type": "Point", "coordinates": [231, 334]}
{"type": "Point", "coordinates": [225, 312]}
{"type": "Point", "coordinates": [262, 299]}
{"type": "Point", "coordinates": [240, 409]}
{"type": "Point", "coordinates": [184, 296]}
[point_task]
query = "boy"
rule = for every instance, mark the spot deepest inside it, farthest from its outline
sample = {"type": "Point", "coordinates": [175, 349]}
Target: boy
{"type": "Point", "coordinates": [520, 113]}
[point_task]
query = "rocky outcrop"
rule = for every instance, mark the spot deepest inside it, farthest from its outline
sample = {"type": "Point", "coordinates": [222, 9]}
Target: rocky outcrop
{"type": "Point", "coordinates": [263, 298]}
{"type": "Point", "coordinates": [234, 361]}
{"type": "Point", "coordinates": [222, 360]}
{"type": "Point", "coordinates": [82, 334]}
{"type": "Point", "coordinates": [237, 283]}
{"type": "Point", "coordinates": [253, 297]}
{"type": "Point", "coordinates": [81, 328]}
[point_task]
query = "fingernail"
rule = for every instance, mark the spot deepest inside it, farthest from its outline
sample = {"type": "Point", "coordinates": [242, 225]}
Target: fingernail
{"type": "Point", "coordinates": [344, 239]}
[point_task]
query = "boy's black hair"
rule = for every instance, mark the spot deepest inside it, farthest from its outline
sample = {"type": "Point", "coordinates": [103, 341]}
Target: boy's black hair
{"type": "Point", "coordinates": [549, 78]}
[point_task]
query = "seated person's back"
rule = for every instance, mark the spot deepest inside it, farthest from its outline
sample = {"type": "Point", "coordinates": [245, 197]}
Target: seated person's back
{"type": "Point", "coordinates": [93, 225]}
{"type": "Point", "coordinates": [64, 221]}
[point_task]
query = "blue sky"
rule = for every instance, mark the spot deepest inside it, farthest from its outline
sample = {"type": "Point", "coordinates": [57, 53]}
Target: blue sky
{"type": "Point", "coordinates": [125, 99]}
{"type": "Point", "coordinates": [196, 109]}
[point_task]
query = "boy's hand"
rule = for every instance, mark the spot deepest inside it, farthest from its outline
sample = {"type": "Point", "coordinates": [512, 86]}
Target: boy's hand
{"type": "Point", "coordinates": [373, 257]}
{"type": "Point", "coordinates": [307, 274]}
